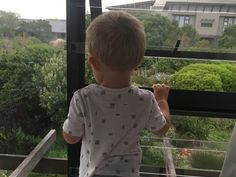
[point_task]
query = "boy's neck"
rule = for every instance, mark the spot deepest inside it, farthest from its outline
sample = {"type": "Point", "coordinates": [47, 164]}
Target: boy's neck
{"type": "Point", "coordinates": [115, 85]}
{"type": "Point", "coordinates": [116, 80]}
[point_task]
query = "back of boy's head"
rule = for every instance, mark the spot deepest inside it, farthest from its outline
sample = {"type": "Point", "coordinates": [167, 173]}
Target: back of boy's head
{"type": "Point", "coordinates": [117, 39]}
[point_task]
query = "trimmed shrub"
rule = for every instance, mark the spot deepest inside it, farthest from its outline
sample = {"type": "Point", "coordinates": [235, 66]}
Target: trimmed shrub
{"type": "Point", "coordinates": [207, 160]}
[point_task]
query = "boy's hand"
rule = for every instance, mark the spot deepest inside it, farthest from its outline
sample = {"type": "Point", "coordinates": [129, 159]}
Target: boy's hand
{"type": "Point", "coordinates": [161, 91]}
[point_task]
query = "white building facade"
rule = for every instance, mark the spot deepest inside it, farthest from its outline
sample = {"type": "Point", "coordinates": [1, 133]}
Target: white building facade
{"type": "Point", "coordinates": [208, 17]}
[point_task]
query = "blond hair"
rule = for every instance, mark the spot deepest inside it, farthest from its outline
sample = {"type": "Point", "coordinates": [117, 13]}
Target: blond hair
{"type": "Point", "coordinates": [117, 39]}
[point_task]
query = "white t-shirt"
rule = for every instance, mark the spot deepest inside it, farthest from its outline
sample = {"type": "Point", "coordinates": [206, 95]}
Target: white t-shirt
{"type": "Point", "coordinates": [109, 122]}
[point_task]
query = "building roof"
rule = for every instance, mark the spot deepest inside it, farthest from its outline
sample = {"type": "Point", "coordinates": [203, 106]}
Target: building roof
{"type": "Point", "coordinates": [58, 26]}
{"type": "Point", "coordinates": [138, 5]}
{"type": "Point", "coordinates": [163, 2]}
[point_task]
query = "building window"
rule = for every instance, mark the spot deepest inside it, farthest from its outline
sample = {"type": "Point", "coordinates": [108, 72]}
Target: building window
{"type": "Point", "coordinates": [229, 21]}
{"type": "Point", "coordinates": [216, 9]}
{"type": "Point", "coordinates": [200, 8]}
{"type": "Point", "coordinates": [182, 20]}
{"type": "Point", "coordinates": [208, 8]}
{"type": "Point", "coordinates": [206, 25]}
{"type": "Point", "coordinates": [192, 8]}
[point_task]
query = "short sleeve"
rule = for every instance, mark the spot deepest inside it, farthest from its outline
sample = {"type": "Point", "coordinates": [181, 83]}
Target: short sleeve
{"type": "Point", "coordinates": [74, 124]}
{"type": "Point", "coordinates": [156, 119]}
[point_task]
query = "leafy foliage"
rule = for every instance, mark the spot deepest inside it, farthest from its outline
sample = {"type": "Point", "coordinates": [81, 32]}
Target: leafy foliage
{"type": "Point", "coordinates": [40, 29]}
{"type": "Point", "coordinates": [228, 40]}
{"type": "Point", "coordinates": [9, 23]}
{"type": "Point", "coordinates": [160, 31]}
{"type": "Point", "coordinates": [11, 45]}
{"type": "Point", "coordinates": [191, 128]}
{"type": "Point", "coordinates": [207, 160]}
{"type": "Point", "coordinates": [206, 77]}
{"type": "Point", "coordinates": [53, 92]}
{"type": "Point", "coordinates": [170, 66]}
{"type": "Point", "coordinates": [17, 71]}
{"type": "Point", "coordinates": [188, 36]}
{"type": "Point", "coordinates": [152, 155]}
{"type": "Point", "coordinates": [12, 26]}
{"type": "Point", "coordinates": [14, 141]}
{"type": "Point", "coordinates": [20, 87]}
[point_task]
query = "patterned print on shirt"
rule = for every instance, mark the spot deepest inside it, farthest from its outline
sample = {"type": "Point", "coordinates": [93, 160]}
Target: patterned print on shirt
{"type": "Point", "coordinates": [112, 105]}
{"type": "Point", "coordinates": [130, 91]}
{"type": "Point", "coordinates": [103, 92]}
{"type": "Point", "coordinates": [103, 121]}
{"type": "Point", "coordinates": [134, 125]}
{"type": "Point", "coordinates": [107, 165]}
{"type": "Point", "coordinates": [126, 143]}
{"type": "Point", "coordinates": [97, 142]}
{"type": "Point", "coordinates": [133, 170]}
{"type": "Point", "coordinates": [123, 127]}
{"type": "Point", "coordinates": [117, 171]}
{"type": "Point", "coordinates": [110, 134]}
{"type": "Point", "coordinates": [104, 154]}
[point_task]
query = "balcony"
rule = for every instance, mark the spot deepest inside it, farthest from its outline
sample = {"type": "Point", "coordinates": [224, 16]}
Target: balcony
{"type": "Point", "coordinates": [187, 103]}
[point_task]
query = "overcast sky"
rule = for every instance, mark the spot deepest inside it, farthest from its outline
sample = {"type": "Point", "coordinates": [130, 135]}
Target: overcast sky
{"type": "Point", "coordinates": [45, 9]}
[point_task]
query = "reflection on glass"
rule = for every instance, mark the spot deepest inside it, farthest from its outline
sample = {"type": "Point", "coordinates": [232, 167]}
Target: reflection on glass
{"type": "Point", "coordinates": [208, 21]}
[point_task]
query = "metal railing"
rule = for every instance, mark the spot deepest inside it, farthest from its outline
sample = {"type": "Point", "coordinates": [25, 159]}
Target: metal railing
{"type": "Point", "coordinates": [25, 164]}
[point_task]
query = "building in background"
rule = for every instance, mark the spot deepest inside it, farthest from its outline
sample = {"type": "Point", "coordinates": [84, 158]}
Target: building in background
{"type": "Point", "coordinates": [58, 28]}
{"type": "Point", "coordinates": [208, 17]}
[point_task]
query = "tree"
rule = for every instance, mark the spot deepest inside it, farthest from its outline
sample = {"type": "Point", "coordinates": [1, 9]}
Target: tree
{"type": "Point", "coordinates": [9, 23]}
{"type": "Point", "coordinates": [19, 69]}
{"type": "Point", "coordinates": [40, 29]}
{"type": "Point", "coordinates": [188, 36]}
{"type": "Point", "coordinates": [53, 93]}
{"type": "Point", "coordinates": [228, 40]}
{"type": "Point", "coordinates": [206, 77]}
{"type": "Point", "coordinates": [203, 77]}
{"type": "Point", "coordinates": [160, 31]}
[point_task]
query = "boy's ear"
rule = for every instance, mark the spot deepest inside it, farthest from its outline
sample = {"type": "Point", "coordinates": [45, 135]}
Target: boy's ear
{"type": "Point", "coordinates": [95, 63]}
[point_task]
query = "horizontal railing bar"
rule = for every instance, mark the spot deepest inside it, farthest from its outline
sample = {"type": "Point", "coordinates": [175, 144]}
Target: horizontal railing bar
{"type": "Point", "coordinates": [45, 165]}
{"type": "Point", "coordinates": [58, 166]}
{"type": "Point", "coordinates": [181, 171]}
{"type": "Point", "coordinates": [192, 54]}
{"type": "Point", "coordinates": [185, 140]}
{"type": "Point", "coordinates": [28, 164]}
{"type": "Point", "coordinates": [202, 103]}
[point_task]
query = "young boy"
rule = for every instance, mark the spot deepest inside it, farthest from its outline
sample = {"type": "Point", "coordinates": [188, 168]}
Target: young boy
{"type": "Point", "coordinates": [109, 116]}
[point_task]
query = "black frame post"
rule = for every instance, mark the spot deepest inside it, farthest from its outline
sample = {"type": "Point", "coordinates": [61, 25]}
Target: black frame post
{"type": "Point", "coordinates": [95, 8]}
{"type": "Point", "coordinates": [75, 68]}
